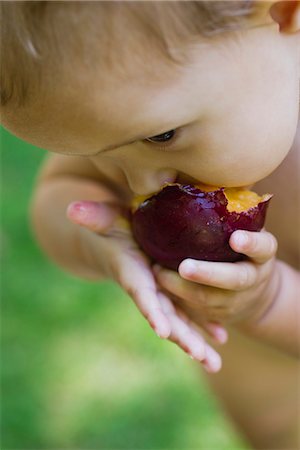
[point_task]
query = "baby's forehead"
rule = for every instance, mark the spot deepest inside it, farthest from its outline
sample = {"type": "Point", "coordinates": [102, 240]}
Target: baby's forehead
{"type": "Point", "coordinates": [149, 39]}
{"type": "Point", "coordinates": [46, 39]}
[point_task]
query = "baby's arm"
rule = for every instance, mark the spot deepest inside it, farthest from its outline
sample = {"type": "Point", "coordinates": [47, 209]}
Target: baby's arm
{"type": "Point", "coordinates": [279, 325]}
{"type": "Point", "coordinates": [62, 180]}
{"type": "Point", "coordinates": [91, 241]}
{"type": "Point", "coordinates": [259, 381]}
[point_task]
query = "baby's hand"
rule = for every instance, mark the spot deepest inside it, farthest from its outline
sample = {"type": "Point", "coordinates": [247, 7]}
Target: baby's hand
{"type": "Point", "coordinates": [118, 257]}
{"type": "Point", "coordinates": [226, 292]}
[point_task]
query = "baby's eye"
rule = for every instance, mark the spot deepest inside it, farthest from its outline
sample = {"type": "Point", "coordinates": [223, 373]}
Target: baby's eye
{"type": "Point", "coordinates": [164, 137]}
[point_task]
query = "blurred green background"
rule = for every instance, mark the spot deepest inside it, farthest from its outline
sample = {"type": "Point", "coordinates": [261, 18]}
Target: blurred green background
{"type": "Point", "coordinates": [80, 366]}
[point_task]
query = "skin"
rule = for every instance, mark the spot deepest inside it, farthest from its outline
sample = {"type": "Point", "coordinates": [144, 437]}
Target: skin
{"type": "Point", "coordinates": [234, 103]}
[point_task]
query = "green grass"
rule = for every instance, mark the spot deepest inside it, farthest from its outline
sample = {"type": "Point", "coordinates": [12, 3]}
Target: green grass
{"type": "Point", "coordinates": [80, 366]}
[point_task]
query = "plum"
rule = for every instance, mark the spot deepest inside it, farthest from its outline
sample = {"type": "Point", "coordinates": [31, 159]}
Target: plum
{"type": "Point", "coordinates": [195, 221]}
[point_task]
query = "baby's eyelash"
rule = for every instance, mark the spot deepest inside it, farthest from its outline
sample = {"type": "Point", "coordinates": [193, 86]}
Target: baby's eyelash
{"type": "Point", "coordinates": [163, 137]}
{"type": "Point", "coordinates": [164, 140]}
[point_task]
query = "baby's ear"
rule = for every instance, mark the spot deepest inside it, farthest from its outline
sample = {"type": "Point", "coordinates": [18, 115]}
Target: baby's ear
{"type": "Point", "coordinates": [287, 15]}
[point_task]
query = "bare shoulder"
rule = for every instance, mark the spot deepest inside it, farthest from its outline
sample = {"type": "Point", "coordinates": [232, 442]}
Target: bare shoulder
{"type": "Point", "coordinates": [283, 218]}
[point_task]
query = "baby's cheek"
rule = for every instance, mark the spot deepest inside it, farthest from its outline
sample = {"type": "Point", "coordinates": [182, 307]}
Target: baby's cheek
{"type": "Point", "coordinates": [245, 154]}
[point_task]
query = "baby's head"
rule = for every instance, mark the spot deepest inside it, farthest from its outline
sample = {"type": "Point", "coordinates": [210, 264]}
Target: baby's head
{"type": "Point", "coordinates": [215, 85]}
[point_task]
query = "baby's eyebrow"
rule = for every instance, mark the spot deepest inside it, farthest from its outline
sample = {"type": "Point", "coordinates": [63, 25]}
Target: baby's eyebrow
{"type": "Point", "coordinates": [103, 150]}
{"type": "Point", "coordinates": [117, 145]}
{"type": "Point", "coordinates": [112, 147]}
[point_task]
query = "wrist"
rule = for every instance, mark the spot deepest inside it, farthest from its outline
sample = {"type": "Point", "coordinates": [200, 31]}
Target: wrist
{"type": "Point", "coordinates": [278, 322]}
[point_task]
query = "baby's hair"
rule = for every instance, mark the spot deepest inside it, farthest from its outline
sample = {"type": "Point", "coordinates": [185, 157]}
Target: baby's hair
{"type": "Point", "coordinates": [40, 40]}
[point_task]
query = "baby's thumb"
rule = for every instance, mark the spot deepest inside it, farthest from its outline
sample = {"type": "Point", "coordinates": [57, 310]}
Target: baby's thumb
{"type": "Point", "coordinates": [95, 216]}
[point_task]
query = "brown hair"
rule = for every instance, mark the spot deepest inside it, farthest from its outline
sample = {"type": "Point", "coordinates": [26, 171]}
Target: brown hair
{"type": "Point", "coordinates": [40, 39]}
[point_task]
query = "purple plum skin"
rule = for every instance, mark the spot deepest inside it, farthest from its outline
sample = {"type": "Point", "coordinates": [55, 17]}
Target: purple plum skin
{"type": "Point", "coordinates": [182, 221]}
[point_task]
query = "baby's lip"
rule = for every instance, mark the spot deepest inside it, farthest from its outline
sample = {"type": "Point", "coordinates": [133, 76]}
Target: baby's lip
{"type": "Point", "coordinates": [182, 178]}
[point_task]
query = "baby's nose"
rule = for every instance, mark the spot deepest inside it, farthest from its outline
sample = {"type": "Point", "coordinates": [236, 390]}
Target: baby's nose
{"type": "Point", "coordinates": [146, 182]}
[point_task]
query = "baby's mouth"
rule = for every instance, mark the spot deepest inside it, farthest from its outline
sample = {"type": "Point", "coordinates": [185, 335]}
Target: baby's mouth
{"type": "Point", "coordinates": [172, 176]}
{"type": "Point", "coordinates": [182, 178]}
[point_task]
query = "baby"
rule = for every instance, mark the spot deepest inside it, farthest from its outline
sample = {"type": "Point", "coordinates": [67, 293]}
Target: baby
{"type": "Point", "coordinates": [130, 95]}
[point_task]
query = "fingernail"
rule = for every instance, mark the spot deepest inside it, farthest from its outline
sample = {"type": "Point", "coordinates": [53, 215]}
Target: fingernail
{"type": "Point", "coordinates": [163, 333]}
{"type": "Point", "coordinates": [242, 238]}
{"type": "Point", "coordinates": [218, 332]}
{"type": "Point", "coordinates": [221, 335]}
{"type": "Point", "coordinates": [214, 360]}
{"type": "Point", "coordinates": [77, 210]}
{"type": "Point", "coordinates": [189, 267]}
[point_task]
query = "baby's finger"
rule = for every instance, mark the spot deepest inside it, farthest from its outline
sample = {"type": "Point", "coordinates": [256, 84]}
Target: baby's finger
{"type": "Point", "coordinates": [216, 331]}
{"type": "Point", "coordinates": [259, 246]}
{"type": "Point", "coordinates": [187, 338]}
{"type": "Point", "coordinates": [135, 277]}
{"type": "Point", "coordinates": [183, 335]}
{"type": "Point", "coordinates": [95, 216]}
{"type": "Point", "coordinates": [213, 361]}
{"type": "Point", "coordinates": [234, 277]}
